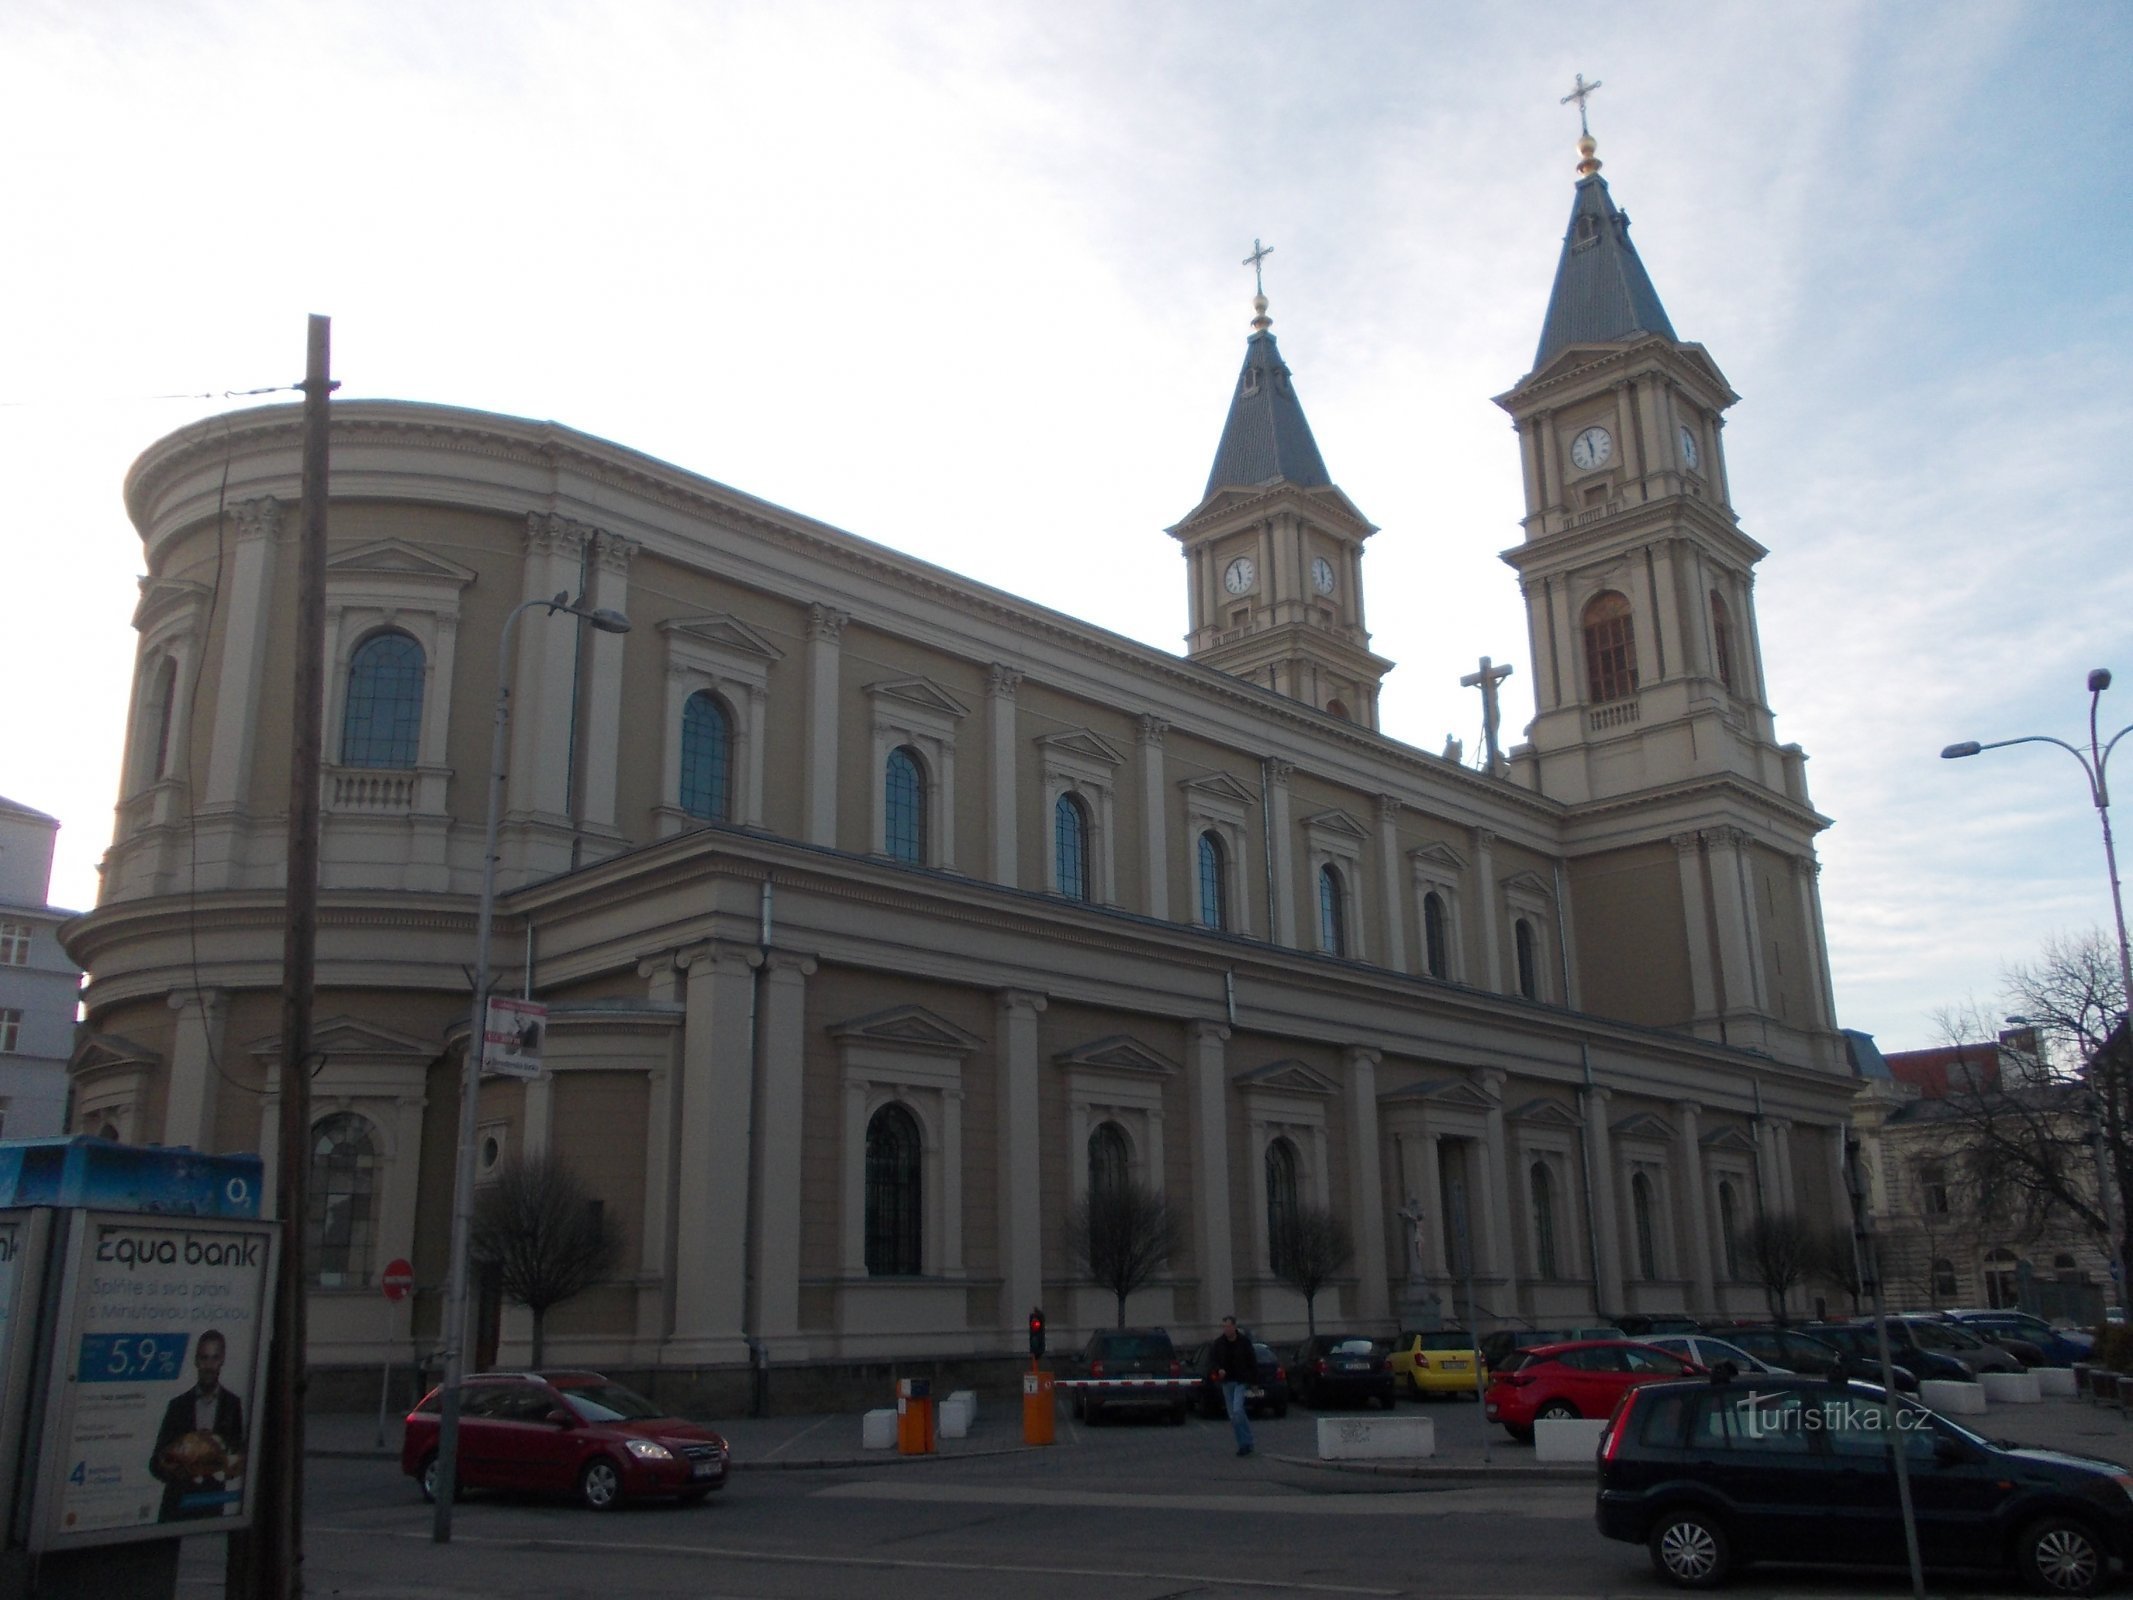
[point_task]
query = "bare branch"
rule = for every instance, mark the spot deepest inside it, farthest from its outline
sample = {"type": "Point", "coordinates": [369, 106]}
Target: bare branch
{"type": "Point", "coordinates": [1120, 1234]}
{"type": "Point", "coordinates": [547, 1238]}
{"type": "Point", "coordinates": [1314, 1246]}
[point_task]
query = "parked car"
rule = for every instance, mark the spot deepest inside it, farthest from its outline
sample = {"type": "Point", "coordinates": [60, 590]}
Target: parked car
{"type": "Point", "coordinates": [1708, 1351]}
{"type": "Point", "coordinates": [1116, 1364]}
{"type": "Point", "coordinates": [1336, 1368]}
{"type": "Point", "coordinates": [1930, 1333]}
{"type": "Point", "coordinates": [1819, 1354]}
{"type": "Point", "coordinates": [1636, 1324]}
{"type": "Point", "coordinates": [1710, 1476]}
{"type": "Point", "coordinates": [1269, 1396]}
{"type": "Point", "coordinates": [565, 1433]}
{"type": "Point", "coordinates": [2061, 1347]}
{"type": "Point", "coordinates": [1497, 1346]}
{"type": "Point", "coordinates": [1441, 1362]}
{"type": "Point", "coordinates": [1585, 1379]}
{"type": "Point", "coordinates": [1856, 1340]}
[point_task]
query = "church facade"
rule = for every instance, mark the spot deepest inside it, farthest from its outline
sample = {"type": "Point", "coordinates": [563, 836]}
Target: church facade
{"type": "Point", "coordinates": [879, 913]}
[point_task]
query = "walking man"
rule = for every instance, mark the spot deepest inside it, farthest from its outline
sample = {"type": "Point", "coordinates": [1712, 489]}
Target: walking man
{"type": "Point", "coordinates": [1233, 1364]}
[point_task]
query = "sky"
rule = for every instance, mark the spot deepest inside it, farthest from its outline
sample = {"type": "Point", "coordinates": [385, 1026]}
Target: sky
{"type": "Point", "coordinates": [966, 279]}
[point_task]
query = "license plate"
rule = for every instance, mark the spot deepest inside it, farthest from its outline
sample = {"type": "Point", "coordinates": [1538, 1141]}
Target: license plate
{"type": "Point", "coordinates": [702, 1469]}
{"type": "Point", "coordinates": [1355, 1366]}
{"type": "Point", "coordinates": [1255, 1394]}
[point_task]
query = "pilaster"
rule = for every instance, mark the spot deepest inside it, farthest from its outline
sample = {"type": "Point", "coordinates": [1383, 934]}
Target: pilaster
{"type": "Point", "coordinates": [1696, 1204]}
{"type": "Point", "coordinates": [1389, 896]}
{"type": "Point", "coordinates": [712, 1196]}
{"type": "Point", "coordinates": [1600, 1167]}
{"type": "Point", "coordinates": [1000, 685]}
{"type": "Point", "coordinates": [1208, 1084]}
{"type": "Point", "coordinates": [1155, 820]}
{"type": "Point", "coordinates": [1366, 1189]}
{"type": "Point", "coordinates": [1280, 847]}
{"type": "Point", "coordinates": [602, 699]}
{"type": "Point", "coordinates": [825, 632]}
{"type": "Point", "coordinates": [1696, 923]}
{"type": "Point", "coordinates": [1485, 897]}
{"type": "Point", "coordinates": [189, 1101]}
{"type": "Point", "coordinates": [780, 1127]}
{"type": "Point", "coordinates": [1496, 1183]}
{"type": "Point", "coordinates": [246, 611]}
{"type": "Point", "coordinates": [1021, 1200]}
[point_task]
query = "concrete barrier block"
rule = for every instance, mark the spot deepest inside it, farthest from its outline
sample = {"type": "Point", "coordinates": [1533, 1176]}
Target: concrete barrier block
{"type": "Point", "coordinates": [969, 1399]}
{"type": "Point", "coordinates": [1376, 1438]}
{"type": "Point", "coordinates": [1567, 1438]}
{"type": "Point", "coordinates": [958, 1411]}
{"type": "Point", "coordinates": [877, 1431]}
{"type": "Point", "coordinates": [1956, 1399]}
{"type": "Point", "coordinates": [2011, 1388]}
{"type": "Point", "coordinates": [2057, 1382]}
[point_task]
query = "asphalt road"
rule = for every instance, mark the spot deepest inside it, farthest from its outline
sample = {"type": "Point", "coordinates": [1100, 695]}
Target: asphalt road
{"type": "Point", "coordinates": [1125, 1511]}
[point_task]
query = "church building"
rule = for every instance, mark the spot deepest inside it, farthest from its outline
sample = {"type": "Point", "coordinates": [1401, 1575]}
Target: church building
{"type": "Point", "coordinates": [880, 913]}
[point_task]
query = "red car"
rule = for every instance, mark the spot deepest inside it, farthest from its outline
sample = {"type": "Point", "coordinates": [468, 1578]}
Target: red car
{"type": "Point", "coordinates": [565, 1433]}
{"type": "Point", "coordinates": [1581, 1379]}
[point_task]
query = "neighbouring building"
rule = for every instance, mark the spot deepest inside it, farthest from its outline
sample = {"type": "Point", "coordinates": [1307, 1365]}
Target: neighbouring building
{"type": "Point", "coordinates": [876, 909]}
{"type": "Point", "coordinates": [40, 988]}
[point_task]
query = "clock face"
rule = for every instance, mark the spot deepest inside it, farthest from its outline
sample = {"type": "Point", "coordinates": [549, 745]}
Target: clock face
{"type": "Point", "coordinates": [1237, 576]}
{"type": "Point", "coordinates": [1595, 447]}
{"type": "Point", "coordinates": [1688, 449]}
{"type": "Point", "coordinates": [1322, 574]}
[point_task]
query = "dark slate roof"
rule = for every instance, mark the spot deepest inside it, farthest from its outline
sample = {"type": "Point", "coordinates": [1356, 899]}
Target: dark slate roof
{"type": "Point", "coordinates": [1266, 439]}
{"type": "Point", "coordinates": [1864, 1055]}
{"type": "Point", "coordinates": [1602, 293]}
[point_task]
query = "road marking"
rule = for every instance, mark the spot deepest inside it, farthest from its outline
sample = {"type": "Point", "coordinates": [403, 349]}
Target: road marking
{"type": "Point", "coordinates": [1575, 1505]}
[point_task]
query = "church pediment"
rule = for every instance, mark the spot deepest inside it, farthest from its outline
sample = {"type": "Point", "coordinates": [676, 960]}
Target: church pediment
{"type": "Point", "coordinates": [1440, 856]}
{"type": "Point", "coordinates": [1529, 883]}
{"type": "Point", "coordinates": [723, 631]}
{"type": "Point", "coordinates": [1545, 1113]}
{"type": "Point", "coordinates": [1117, 1053]}
{"type": "Point", "coordinates": [1338, 823]}
{"type": "Point", "coordinates": [101, 1050]}
{"type": "Point", "coordinates": [1288, 1077]}
{"type": "Point", "coordinates": [395, 558]}
{"type": "Point", "coordinates": [1644, 1125]}
{"type": "Point", "coordinates": [346, 1039]}
{"type": "Point", "coordinates": [1454, 1094]}
{"type": "Point", "coordinates": [1085, 743]}
{"type": "Point", "coordinates": [923, 693]}
{"type": "Point", "coordinates": [907, 1028]}
{"type": "Point", "coordinates": [1732, 1139]}
{"type": "Point", "coordinates": [1221, 786]}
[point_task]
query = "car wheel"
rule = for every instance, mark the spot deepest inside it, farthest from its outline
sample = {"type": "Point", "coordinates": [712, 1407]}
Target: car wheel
{"type": "Point", "coordinates": [1689, 1548]}
{"type": "Point", "coordinates": [600, 1485]}
{"type": "Point", "coordinates": [1555, 1411]}
{"type": "Point", "coordinates": [428, 1479]}
{"type": "Point", "coordinates": [2061, 1556]}
{"type": "Point", "coordinates": [1519, 1431]}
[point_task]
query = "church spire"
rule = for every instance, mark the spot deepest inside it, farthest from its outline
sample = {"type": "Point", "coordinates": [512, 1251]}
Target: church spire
{"type": "Point", "coordinates": [1602, 293]}
{"type": "Point", "coordinates": [1265, 438]}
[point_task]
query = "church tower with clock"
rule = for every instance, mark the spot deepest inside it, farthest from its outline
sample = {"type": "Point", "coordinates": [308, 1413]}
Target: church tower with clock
{"type": "Point", "coordinates": [1274, 551]}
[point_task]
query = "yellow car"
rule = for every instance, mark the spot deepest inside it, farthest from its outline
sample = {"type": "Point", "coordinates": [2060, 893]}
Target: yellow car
{"type": "Point", "coordinates": [1434, 1363]}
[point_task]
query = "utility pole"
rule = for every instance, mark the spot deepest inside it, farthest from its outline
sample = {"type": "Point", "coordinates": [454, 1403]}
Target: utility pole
{"type": "Point", "coordinates": [268, 1562]}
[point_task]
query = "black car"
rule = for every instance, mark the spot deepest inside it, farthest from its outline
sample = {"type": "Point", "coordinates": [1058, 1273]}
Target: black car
{"type": "Point", "coordinates": [1124, 1369]}
{"type": "Point", "coordinates": [1337, 1367]}
{"type": "Point", "coordinates": [1857, 1340]}
{"type": "Point", "coordinates": [1269, 1396]}
{"type": "Point", "coordinates": [1825, 1352]}
{"type": "Point", "coordinates": [1712, 1475]}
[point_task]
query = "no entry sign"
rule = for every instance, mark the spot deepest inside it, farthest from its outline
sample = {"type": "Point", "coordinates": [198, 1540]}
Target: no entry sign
{"type": "Point", "coordinates": [398, 1280]}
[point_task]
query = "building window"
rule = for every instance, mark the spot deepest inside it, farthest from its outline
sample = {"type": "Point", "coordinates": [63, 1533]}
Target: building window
{"type": "Point", "coordinates": [14, 944]}
{"type": "Point", "coordinates": [1729, 1228]}
{"type": "Point", "coordinates": [894, 1219]}
{"type": "Point", "coordinates": [1544, 1263]}
{"type": "Point", "coordinates": [1528, 952]}
{"type": "Point", "coordinates": [1110, 1160]}
{"type": "Point", "coordinates": [2003, 1280]}
{"type": "Point", "coordinates": [1332, 912]}
{"type": "Point", "coordinates": [10, 1030]}
{"type": "Point", "coordinates": [383, 717]}
{"type": "Point", "coordinates": [706, 758]}
{"type": "Point", "coordinates": [1943, 1278]}
{"type": "Point", "coordinates": [1933, 1189]}
{"type": "Point", "coordinates": [1610, 648]}
{"type": "Point", "coordinates": [1214, 883]}
{"type": "Point", "coordinates": [1722, 639]}
{"type": "Point", "coordinates": [1436, 940]}
{"type": "Point", "coordinates": [904, 821]}
{"type": "Point", "coordinates": [165, 701]}
{"type": "Point", "coordinates": [1281, 1203]}
{"type": "Point", "coordinates": [343, 1201]}
{"type": "Point", "coordinates": [1070, 846]}
{"type": "Point", "coordinates": [1640, 1200]}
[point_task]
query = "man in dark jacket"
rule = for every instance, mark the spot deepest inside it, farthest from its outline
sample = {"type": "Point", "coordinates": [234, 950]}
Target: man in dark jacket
{"type": "Point", "coordinates": [200, 1447]}
{"type": "Point", "coordinates": [1232, 1363]}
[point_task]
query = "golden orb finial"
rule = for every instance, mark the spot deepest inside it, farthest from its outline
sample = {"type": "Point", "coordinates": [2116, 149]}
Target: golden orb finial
{"type": "Point", "coordinates": [1588, 163]}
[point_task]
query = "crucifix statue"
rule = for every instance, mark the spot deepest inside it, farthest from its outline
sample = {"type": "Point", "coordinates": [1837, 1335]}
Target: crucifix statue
{"type": "Point", "coordinates": [1486, 681]}
{"type": "Point", "coordinates": [1580, 94]}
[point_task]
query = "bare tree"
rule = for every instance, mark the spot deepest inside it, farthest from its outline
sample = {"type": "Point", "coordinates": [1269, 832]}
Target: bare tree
{"type": "Point", "coordinates": [1834, 1258]}
{"type": "Point", "coordinates": [548, 1239]}
{"type": "Point", "coordinates": [1312, 1247]}
{"type": "Point", "coordinates": [1120, 1233]}
{"type": "Point", "coordinates": [1780, 1250]}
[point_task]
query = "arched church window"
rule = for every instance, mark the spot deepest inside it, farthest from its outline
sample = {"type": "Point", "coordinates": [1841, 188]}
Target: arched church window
{"type": "Point", "coordinates": [1943, 1278]}
{"type": "Point", "coordinates": [1214, 881]}
{"type": "Point", "coordinates": [904, 826]}
{"type": "Point", "coordinates": [893, 1215]}
{"type": "Point", "coordinates": [1544, 1263]}
{"type": "Point", "coordinates": [1528, 952]}
{"type": "Point", "coordinates": [1110, 1160]}
{"type": "Point", "coordinates": [1722, 639]}
{"type": "Point", "coordinates": [165, 702]}
{"type": "Point", "coordinates": [1610, 648]}
{"type": "Point", "coordinates": [342, 1203]}
{"type": "Point", "coordinates": [1436, 941]}
{"type": "Point", "coordinates": [382, 720]}
{"type": "Point", "coordinates": [1337, 708]}
{"type": "Point", "coordinates": [1070, 846]}
{"type": "Point", "coordinates": [1281, 1203]}
{"type": "Point", "coordinates": [706, 756]}
{"type": "Point", "coordinates": [1641, 1209]}
{"type": "Point", "coordinates": [1332, 912]}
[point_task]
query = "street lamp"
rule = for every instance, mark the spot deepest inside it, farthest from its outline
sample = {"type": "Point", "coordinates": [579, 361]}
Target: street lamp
{"type": "Point", "coordinates": [455, 1310]}
{"type": "Point", "coordinates": [2094, 762]}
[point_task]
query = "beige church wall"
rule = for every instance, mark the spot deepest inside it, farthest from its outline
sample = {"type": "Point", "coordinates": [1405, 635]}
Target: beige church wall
{"type": "Point", "coordinates": [1042, 712]}
{"type": "Point", "coordinates": [871, 656]}
{"type": "Point", "coordinates": [1788, 961]}
{"type": "Point", "coordinates": [1632, 946]}
{"type": "Point", "coordinates": [1309, 796]}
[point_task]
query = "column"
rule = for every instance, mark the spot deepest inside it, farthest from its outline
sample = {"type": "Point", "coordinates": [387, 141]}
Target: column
{"type": "Point", "coordinates": [1626, 429]}
{"type": "Point", "coordinates": [1485, 895]}
{"type": "Point", "coordinates": [1435, 1259]}
{"type": "Point", "coordinates": [1696, 924]}
{"type": "Point", "coordinates": [1551, 464]}
{"type": "Point", "coordinates": [1394, 949]}
{"type": "Point", "coordinates": [1283, 911]}
{"type": "Point", "coordinates": [1806, 875]}
{"type": "Point", "coordinates": [1692, 1213]}
{"type": "Point", "coordinates": [663, 982]}
{"type": "Point", "coordinates": [600, 715]}
{"type": "Point", "coordinates": [825, 630]}
{"type": "Point", "coordinates": [1207, 1084]}
{"type": "Point", "coordinates": [1495, 1185]}
{"type": "Point", "coordinates": [1840, 1194]}
{"type": "Point", "coordinates": [189, 1098]}
{"type": "Point", "coordinates": [1155, 821]}
{"type": "Point", "coordinates": [1674, 653]}
{"type": "Point", "coordinates": [247, 607]}
{"type": "Point", "coordinates": [538, 781]}
{"type": "Point", "coordinates": [712, 1181]}
{"type": "Point", "coordinates": [781, 1029]}
{"type": "Point", "coordinates": [1000, 685]}
{"type": "Point", "coordinates": [1021, 1203]}
{"type": "Point", "coordinates": [1366, 1188]}
{"type": "Point", "coordinates": [1606, 1225]}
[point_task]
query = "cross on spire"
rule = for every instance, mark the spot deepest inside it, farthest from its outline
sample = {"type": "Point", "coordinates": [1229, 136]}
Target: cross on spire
{"type": "Point", "coordinates": [1259, 253]}
{"type": "Point", "coordinates": [1580, 94]}
{"type": "Point", "coordinates": [1486, 681]}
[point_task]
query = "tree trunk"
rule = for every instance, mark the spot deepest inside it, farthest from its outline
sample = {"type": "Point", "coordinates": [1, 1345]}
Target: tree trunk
{"type": "Point", "coordinates": [540, 1343]}
{"type": "Point", "coordinates": [1121, 1311]}
{"type": "Point", "coordinates": [1311, 1314]}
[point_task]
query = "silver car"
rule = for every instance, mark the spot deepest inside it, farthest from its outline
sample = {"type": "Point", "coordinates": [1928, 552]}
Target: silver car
{"type": "Point", "coordinates": [1708, 1351]}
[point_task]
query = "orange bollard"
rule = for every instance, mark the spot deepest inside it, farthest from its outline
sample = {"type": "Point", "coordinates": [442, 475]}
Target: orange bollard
{"type": "Point", "coordinates": [914, 1417]}
{"type": "Point", "coordinates": [1038, 1416]}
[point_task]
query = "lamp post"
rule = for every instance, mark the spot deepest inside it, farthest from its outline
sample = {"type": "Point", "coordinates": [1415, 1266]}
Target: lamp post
{"type": "Point", "coordinates": [2094, 763]}
{"type": "Point", "coordinates": [455, 1310]}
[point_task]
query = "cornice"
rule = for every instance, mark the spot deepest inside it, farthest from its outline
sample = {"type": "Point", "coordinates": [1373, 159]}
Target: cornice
{"type": "Point", "coordinates": [1604, 364]}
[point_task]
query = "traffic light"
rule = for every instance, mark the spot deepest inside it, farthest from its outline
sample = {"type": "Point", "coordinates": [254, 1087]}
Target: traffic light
{"type": "Point", "coordinates": [1036, 1330]}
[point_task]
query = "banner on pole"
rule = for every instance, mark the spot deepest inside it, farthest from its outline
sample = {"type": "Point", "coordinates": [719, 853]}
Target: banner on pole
{"type": "Point", "coordinates": [512, 1037]}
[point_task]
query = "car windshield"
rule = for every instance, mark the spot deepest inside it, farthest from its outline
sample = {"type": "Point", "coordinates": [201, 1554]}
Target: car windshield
{"type": "Point", "coordinates": [1446, 1341]}
{"type": "Point", "coordinates": [1131, 1347]}
{"type": "Point", "coordinates": [610, 1402]}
